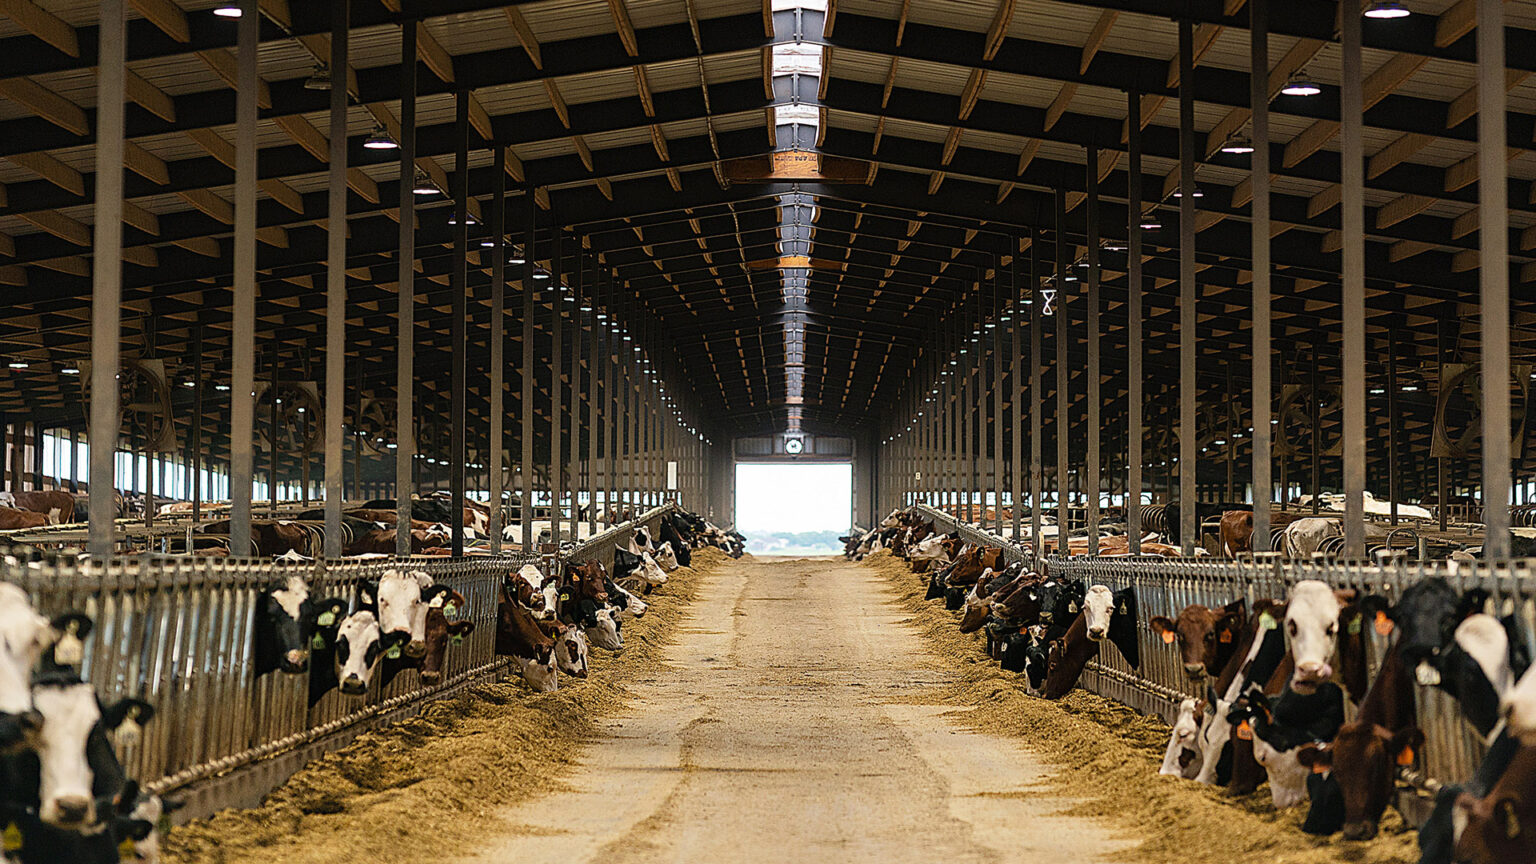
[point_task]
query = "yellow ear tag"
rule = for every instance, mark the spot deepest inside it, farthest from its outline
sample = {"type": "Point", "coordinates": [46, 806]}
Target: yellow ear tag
{"type": "Point", "coordinates": [1383, 624]}
{"type": "Point", "coordinates": [1405, 758]}
{"type": "Point", "coordinates": [393, 653]}
{"type": "Point", "coordinates": [1354, 626]}
{"type": "Point", "coordinates": [1267, 622]}
{"type": "Point", "coordinates": [1168, 637]}
{"type": "Point", "coordinates": [127, 851]}
{"type": "Point", "coordinates": [1244, 731]}
{"type": "Point", "coordinates": [11, 839]}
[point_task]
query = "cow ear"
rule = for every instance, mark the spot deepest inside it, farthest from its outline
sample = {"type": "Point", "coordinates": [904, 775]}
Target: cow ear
{"type": "Point", "coordinates": [461, 628]}
{"type": "Point", "coordinates": [329, 612]}
{"type": "Point", "coordinates": [368, 592]}
{"type": "Point", "coordinates": [1315, 757]}
{"type": "Point", "coordinates": [127, 711]}
{"type": "Point", "coordinates": [1345, 596]}
{"type": "Point", "coordinates": [430, 593]}
{"type": "Point", "coordinates": [77, 624]}
{"type": "Point", "coordinates": [1161, 625]}
{"type": "Point", "coordinates": [1405, 744]}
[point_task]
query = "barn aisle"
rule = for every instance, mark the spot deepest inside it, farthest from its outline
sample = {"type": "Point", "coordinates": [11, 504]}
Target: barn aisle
{"type": "Point", "coordinates": [789, 724]}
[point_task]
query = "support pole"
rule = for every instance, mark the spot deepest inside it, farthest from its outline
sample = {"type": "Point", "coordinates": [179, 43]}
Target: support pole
{"type": "Point", "coordinates": [556, 389]}
{"type": "Point", "coordinates": [1134, 426]}
{"type": "Point", "coordinates": [573, 460]}
{"type": "Point", "coordinates": [996, 391]}
{"type": "Point", "coordinates": [1092, 429]}
{"type": "Point", "coordinates": [497, 451]}
{"type": "Point", "coordinates": [242, 413]}
{"type": "Point", "coordinates": [456, 325]}
{"type": "Point", "coordinates": [405, 351]}
{"type": "Point", "coordinates": [1036, 402]}
{"type": "Point", "coordinates": [594, 386]}
{"type": "Point", "coordinates": [1493, 273]}
{"type": "Point", "coordinates": [1353, 278]}
{"type": "Point", "coordinates": [1063, 379]}
{"type": "Point", "coordinates": [106, 276]}
{"type": "Point", "coordinates": [530, 216]}
{"type": "Point", "coordinates": [1015, 320]}
{"type": "Point", "coordinates": [1258, 96]}
{"type": "Point", "coordinates": [1189, 523]}
{"type": "Point", "coordinates": [335, 282]}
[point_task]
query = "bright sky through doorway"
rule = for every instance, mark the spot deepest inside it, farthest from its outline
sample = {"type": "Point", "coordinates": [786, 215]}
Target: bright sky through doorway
{"type": "Point", "coordinates": [779, 498]}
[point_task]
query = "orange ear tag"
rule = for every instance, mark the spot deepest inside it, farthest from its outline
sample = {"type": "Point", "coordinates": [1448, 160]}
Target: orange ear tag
{"type": "Point", "coordinates": [1244, 731]}
{"type": "Point", "coordinates": [1383, 624]}
{"type": "Point", "coordinates": [1226, 636]}
{"type": "Point", "coordinates": [1167, 637]}
{"type": "Point", "coordinates": [1319, 768]}
{"type": "Point", "coordinates": [1405, 758]}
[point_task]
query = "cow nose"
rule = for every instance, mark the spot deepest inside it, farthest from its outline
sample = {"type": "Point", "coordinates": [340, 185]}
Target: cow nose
{"type": "Point", "coordinates": [1194, 670]}
{"type": "Point", "coordinates": [1362, 830]}
{"type": "Point", "coordinates": [1096, 633]}
{"type": "Point", "coordinates": [549, 614]}
{"type": "Point", "coordinates": [297, 660]}
{"type": "Point", "coordinates": [1313, 671]}
{"type": "Point", "coordinates": [431, 677]}
{"type": "Point", "coordinates": [416, 648]}
{"type": "Point", "coordinates": [352, 685]}
{"type": "Point", "coordinates": [72, 809]}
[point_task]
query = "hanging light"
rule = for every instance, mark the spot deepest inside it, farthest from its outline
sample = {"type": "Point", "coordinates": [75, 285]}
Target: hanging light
{"type": "Point", "coordinates": [227, 10]}
{"type": "Point", "coordinates": [423, 185]}
{"type": "Point", "coordinates": [544, 274]}
{"type": "Point", "coordinates": [320, 79]}
{"type": "Point", "coordinates": [18, 364]}
{"type": "Point", "coordinates": [1198, 193]}
{"type": "Point", "coordinates": [1150, 222]}
{"type": "Point", "coordinates": [70, 369]}
{"type": "Point", "coordinates": [1300, 84]}
{"type": "Point", "coordinates": [517, 258]}
{"type": "Point", "coordinates": [1238, 144]}
{"type": "Point", "coordinates": [1386, 9]}
{"type": "Point", "coordinates": [380, 139]}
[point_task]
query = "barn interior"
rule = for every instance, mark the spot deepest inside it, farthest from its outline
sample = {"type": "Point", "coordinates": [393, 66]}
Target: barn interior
{"type": "Point", "coordinates": [910, 234]}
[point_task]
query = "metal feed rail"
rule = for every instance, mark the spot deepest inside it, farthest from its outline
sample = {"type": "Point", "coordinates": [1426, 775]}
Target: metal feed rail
{"type": "Point", "coordinates": [177, 632]}
{"type": "Point", "coordinates": [1452, 750]}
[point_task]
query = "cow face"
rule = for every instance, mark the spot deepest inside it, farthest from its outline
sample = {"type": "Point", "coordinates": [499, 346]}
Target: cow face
{"type": "Point", "coordinates": [441, 632]}
{"type": "Point", "coordinates": [607, 633]}
{"type": "Point", "coordinates": [534, 593]}
{"type": "Point", "coordinates": [1206, 637]}
{"type": "Point", "coordinates": [74, 758]}
{"type": "Point", "coordinates": [1182, 758]}
{"type": "Point", "coordinates": [284, 622]}
{"type": "Point", "coordinates": [625, 604]}
{"type": "Point", "coordinates": [1312, 632]}
{"type": "Point", "coordinates": [1060, 601]}
{"type": "Point", "coordinates": [144, 816]}
{"type": "Point", "coordinates": [1366, 789]}
{"type": "Point", "coordinates": [24, 636]}
{"type": "Point", "coordinates": [654, 575]}
{"type": "Point", "coordinates": [360, 643]}
{"type": "Point", "coordinates": [403, 599]}
{"type": "Point", "coordinates": [666, 558]}
{"type": "Point", "coordinates": [540, 673]}
{"type": "Point", "coordinates": [1425, 618]}
{"type": "Point", "coordinates": [1098, 608]}
{"type": "Point", "coordinates": [571, 651]}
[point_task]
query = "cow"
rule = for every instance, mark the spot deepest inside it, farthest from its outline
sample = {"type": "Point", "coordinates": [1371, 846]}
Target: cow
{"type": "Point", "coordinates": [441, 632]}
{"type": "Point", "coordinates": [1105, 615]}
{"type": "Point", "coordinates": [56, 505]}
{"type": "Point", "coordinates": [26, 640]}
{"type": "Point", "coordinates": [583, 591]}
{"type": "Point", "coordinates": [1259, 656]}
{"type": "Point", "coordinates": [1207, 637]}
{"type": "Point", "coordinates": [608, 631]}
{"type": "Point", "coordinates": [1182, 758]}
{"type": "Point", "coordinates": [13, 519]}
{"type": "Point", "coordinates": [1312, 632]}
{"type": "Point", "coordinates": [1285, 726]}
{"type": "Point", "coordinates": [1519, 708]}
{"type": "Point", "coordinates": [1236, 532]}
{"type": "Point", "coordinates": [625, 604]}
{"type": "Point", "coordinates": [669, 532]}
{"type": "Point", "coordinates": [360, 644]}
{"type": "Point", "coordinates": [571, 650]}
{"type": "Point", "coordinates": [1302, 538]}
{"type": "Point", "coordinates": [666, 557]}
{"type": "Point", "coordinates": [146, 815]}
{"type": "Point", "coordinates": [536, 593]}
{"type": "Point", "coordinates": [518, 636]}
{"type": "Point", "coordinates": [400, 600]}
{"type": "Point", "coordinates": [285, 619]}
{"type": "Point", "coordinates": [1500, 827]}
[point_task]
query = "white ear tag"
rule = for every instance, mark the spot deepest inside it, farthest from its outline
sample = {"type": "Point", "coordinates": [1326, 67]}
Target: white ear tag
{"type": "Point", "coordinates": [69, 650]}
{"type": "Point", "coordinates": [129, 731]}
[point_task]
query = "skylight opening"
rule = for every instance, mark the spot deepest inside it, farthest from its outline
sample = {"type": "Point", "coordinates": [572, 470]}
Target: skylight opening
{"type": "Point", "coordinates": [797, 58]}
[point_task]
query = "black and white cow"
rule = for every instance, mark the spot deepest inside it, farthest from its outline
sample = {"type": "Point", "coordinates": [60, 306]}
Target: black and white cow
{"type": "Point", "coordinates": [26, 640]}
{"type": "Point", "coordinates": [286, 616]}
{"type": "Point", "coordinates": [400, 601]}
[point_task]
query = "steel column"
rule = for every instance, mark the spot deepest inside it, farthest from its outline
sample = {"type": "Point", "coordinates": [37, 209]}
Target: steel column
{"type": "Point", "coordinates": [1036, 402]}
{"type": "Point", "coordinates": [1063, 378]}
{"type": "Point", "coordinates": [1134, 426]}
{"type": "Point", "coordinates": [556, 388]}
{"type": "Point", "coordinates": [997, 394]}
{"type": "Point", "coordinates": [459, 310]}
{"type": "Point", "coordinates": [1493, 274]}
{"type": "Point", "coordinates": [106, 276]}
{"type": "Point", "coordinates": [525, 466]}
{"type": "Point", "coordinates": [1092, 429]}
{"type": "Point", "coordinates": [594, 384]}
{"type": "Point", "coordinates": [497, 455]}
{"type": "Point", "coordinates": [1015, 319]}
{"type": "Point", "coordinates": [573, 460]}
{"type": "Point", "coordinates": [1258, 95]}
{"type": "Point", "coordinates": [336, 280]}
{"type": "Point", "coordinates": [1188, 523]}
{"type": "Point", "coordinates": [405, 359]}
{"type": "Point", "coordinates": [1351, 112]}
{"type": "Point", "coordinates": [242, 413]}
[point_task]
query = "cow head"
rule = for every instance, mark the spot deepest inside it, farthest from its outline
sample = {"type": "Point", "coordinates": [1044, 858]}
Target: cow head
{"type": "Point", "coordinates": [24, 637]}
{"type": "Point", "coordinates": [1111, 615]}
{"type": "Point", "coordinates": [1183, 755]}
{"type": "Point", "coordinates": [571, 651]}
{"type": "Point", "coordinates": [527, 588]}
{"type": "Point", "coordinates": [360, 644]}
{"type": "Point", "coordinates": [666, 557]}
{"type": "Point", "coordinates": [625, 604]}
{"type": "Point", "coordinates": [1206, 637]}
{"type": "Point", "coordinates": [139, 823]}
{"type": "Point", "coordinates": [75, 763]}
{"type": "Point", "coordinates": [1061, 600]}
{"type": "Point", "coordinates": [607, 633]}
{"type": "Point", "coordinates": [1366, 789]}
{"type": "Point", "coordinates": [1425, 618]}
{"type": "Point", "coordinates": [1312, 631]}
{"type": "Point", "coordinates": [403, 599]}
{"type": "Point", "coordinates": [285, 621]}
{"type": "Point", "coordinates": [443, 631]}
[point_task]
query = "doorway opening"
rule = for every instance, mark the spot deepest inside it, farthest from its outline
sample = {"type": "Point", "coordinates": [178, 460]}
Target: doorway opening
{"type": "Point", "coordinates": [794, 508]}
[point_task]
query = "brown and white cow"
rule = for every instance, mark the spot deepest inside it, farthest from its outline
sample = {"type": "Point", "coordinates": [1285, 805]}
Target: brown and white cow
{"type": "Point", "coordinates": [1207, 637]}
{"type": "Point", "coordinates": [518, 636]}
{"type": "Point", "coordinates": [1500, 827]}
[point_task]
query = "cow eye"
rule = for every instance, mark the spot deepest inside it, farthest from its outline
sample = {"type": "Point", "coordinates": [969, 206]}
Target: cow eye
{"type": "Point", "coordinates": [1210, 637]}
{"type": "Point", "coordinates": [1332, 629]}
{"type": "Point", "coordinates": [1291, 626]}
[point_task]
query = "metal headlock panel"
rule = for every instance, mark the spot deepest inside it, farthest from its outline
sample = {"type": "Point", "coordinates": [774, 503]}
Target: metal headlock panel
{"type": "Point", "coordinates": [1452, 749]}
{"type": "Point", "coordinates": [177, 632]}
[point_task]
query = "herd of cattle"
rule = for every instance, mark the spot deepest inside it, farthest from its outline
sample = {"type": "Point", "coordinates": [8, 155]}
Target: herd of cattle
{"type": "Point", "coordinates": [368, 529]}
{"type": "Point", "coordinates": [64, 795]}
{"type": "Point", "coordinates": [1275, 678]}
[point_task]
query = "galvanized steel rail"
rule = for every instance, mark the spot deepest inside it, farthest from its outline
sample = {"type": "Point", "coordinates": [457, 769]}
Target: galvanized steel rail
{"type": "Point", "coordinates": [1453, 749]}
{"type": "Point", "coordinates": [177, 632]}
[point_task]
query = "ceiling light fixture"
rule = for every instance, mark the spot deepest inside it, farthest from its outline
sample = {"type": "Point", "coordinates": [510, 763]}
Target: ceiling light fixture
{"type": "Point", "coordinates": [227, 10]}
{"type": "Point", "coordinates": [1300, 84]}
{"type": "Point", "coordinates": [1238, 144]}
{"type": "Point", "coordinates": [1150, 222]}
{"type": "Point", "coordinates": [1386, 9]}
{"type": "Point", "coordinates": [320, 79]}
{"type": "Point", "coordinates": [380, 139]}
{"type": "Point", "coordinates": [424, 185]}
{"type": "Point", "coordinates": [18, 364]}
{"type": "Point", "coordinates": [1198, 193]}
